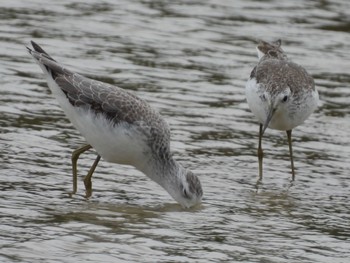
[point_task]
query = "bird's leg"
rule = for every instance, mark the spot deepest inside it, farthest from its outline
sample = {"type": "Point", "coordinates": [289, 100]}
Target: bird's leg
{"type": "Point", "coordinates": [289, 135]}
{"type": "Point", "coordinates": [75, 157]}
{"type": "Point", "coordinates": [260, 153]}
{"type": "Point", "coordinates": [260, 157]}
{"type": "Point", "coordinates": [87, 179]}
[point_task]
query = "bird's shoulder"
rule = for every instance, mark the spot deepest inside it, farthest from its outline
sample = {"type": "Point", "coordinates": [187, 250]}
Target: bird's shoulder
{"type": "Point", "coordinates": [274, 73]}
{"type": "Point", "coordinates": [115, 103]}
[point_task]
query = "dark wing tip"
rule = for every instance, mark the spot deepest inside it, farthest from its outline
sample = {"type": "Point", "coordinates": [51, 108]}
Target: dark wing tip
{"type": "Point", "coordinates": [38, 49]}
{"type": "Point", "coordinates": [29, 49]}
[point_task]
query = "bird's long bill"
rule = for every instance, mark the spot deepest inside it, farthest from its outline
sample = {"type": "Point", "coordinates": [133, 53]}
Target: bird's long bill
{"type": "Point", "coordinates": [268, 119]}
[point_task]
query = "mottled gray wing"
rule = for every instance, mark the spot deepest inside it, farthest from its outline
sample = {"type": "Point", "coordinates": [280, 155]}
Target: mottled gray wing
{"type": "Point", "coordinates": [273, 73]}
{"type": "Point", "coordinates": [114, 103]}
{"type": "Point", "coordinates": [117, 105]}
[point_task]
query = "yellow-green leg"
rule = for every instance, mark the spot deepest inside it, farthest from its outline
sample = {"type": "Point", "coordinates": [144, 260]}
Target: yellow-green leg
{"type": "Point", "coordinates": [87, 179]}
{"type": "Point", "coordinates": [289, 135]}
{"type": "Point", "coordinates": [260, 157]}
{"type": "Point", "coordinates": [260, 153]}
{"type": "Point", "coordinates": [75, 157]}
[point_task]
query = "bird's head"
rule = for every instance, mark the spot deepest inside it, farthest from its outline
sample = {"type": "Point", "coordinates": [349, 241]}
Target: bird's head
{"type": "Point", "coordinates": [270, 50]}
{"type": "Point", "coordinates": [186, 189]}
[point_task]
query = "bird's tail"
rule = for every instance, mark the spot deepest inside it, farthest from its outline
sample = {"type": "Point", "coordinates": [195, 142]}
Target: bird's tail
{"type": "Point", "coordinates": [45, 61]}
{"type": "Point", "coordinates": [38, 51]}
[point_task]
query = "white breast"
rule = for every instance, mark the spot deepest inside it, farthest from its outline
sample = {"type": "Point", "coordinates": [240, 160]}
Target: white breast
{"type": "Point", "coordinates": [256, 105]}
{"type": "Point", "coordinates": [121, 143]}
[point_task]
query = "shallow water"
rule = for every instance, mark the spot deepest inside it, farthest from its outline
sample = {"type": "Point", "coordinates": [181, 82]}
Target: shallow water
{"type": "Point", "coordinates": [190, 60]}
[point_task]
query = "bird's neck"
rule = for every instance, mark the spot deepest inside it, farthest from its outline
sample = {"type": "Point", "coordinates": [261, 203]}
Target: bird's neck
{"type": "Point", "coordinates": [278, 56]}
{"type": "Point", "coordinates": [161, 171]}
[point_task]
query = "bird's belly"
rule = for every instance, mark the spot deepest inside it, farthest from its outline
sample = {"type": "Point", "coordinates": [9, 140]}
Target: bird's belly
{"type": "Point", "coordinates": [294, 115]}
{"type": "Point", "coordinates": [281, 121]}
{"type": "Point", "coordinates": [256, 105]}
{"type": "Point", "coordinates": [120, 143]}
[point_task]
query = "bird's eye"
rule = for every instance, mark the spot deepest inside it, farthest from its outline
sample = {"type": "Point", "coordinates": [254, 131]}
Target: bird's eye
{"type": "Point", "coordinates": [285, 98]}
{"type": "Point", "coordinates": [185, 193]}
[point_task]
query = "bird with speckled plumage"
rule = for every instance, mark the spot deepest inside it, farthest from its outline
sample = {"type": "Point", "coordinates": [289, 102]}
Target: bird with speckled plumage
{"type": "Point", "coordinates": [121, 127]}
{"type": "Point", "coordinates": [280, 93]}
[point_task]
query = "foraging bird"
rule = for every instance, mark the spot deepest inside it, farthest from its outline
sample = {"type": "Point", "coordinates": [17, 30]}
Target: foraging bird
{"type": "Point", "coordinates": [280, 93]}
{"type": "Point", "coordinates": [121, 127]}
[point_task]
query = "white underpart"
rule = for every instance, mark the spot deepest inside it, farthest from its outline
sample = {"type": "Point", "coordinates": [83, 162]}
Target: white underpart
{"type": "Point", "coordinates": [287, 119]}
{"type": "Point", "coordinates": [283, 119]}
{"type": "Point", "coordinates": [116, 144]}
{"type": "Point", "coordinates": [256, 105]}
{"type": "Point", "coordinates": [123, 144]}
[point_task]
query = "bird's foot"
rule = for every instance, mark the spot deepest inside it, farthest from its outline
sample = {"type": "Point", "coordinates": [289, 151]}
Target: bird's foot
{"type": "Point", "coordinates": [258, 184]}
{"type": "Point", "coordinates": [88, 187]}
{"type": "Point", "coordinates": [291, 184]}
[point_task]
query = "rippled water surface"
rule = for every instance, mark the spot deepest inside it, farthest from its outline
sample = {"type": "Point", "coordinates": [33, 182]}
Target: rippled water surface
{"type": "Point", "coordinates": [190, 60]}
